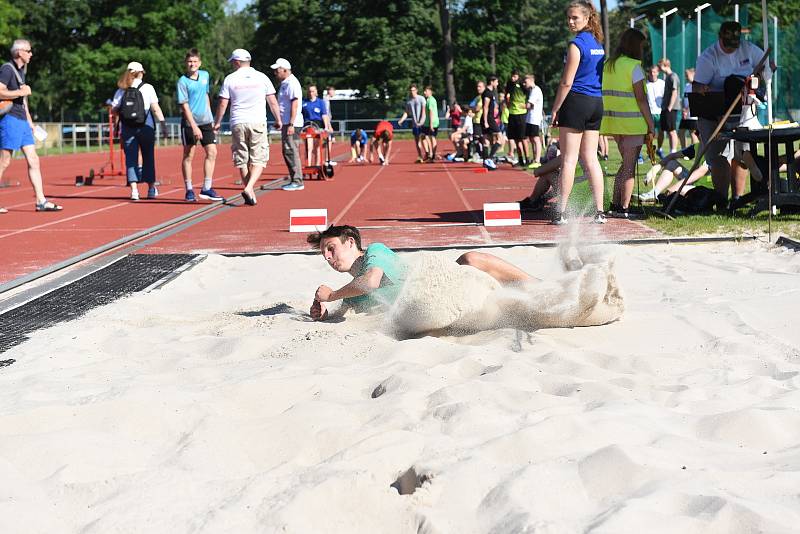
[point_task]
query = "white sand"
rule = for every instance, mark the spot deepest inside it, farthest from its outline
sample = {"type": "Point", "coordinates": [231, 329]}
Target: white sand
{"type": "Point", "coordinates": [171, 412]}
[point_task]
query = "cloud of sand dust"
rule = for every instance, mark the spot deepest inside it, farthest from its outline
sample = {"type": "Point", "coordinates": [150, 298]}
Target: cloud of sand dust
{"type": "Point", "coordinates": [441, 296]}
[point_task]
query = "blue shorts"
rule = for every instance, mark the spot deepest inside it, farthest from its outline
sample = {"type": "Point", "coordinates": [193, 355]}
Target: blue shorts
{"type": "Point", "coordinates": [415, 130]}
{"type": "Point", "coordinates": [15, 133]}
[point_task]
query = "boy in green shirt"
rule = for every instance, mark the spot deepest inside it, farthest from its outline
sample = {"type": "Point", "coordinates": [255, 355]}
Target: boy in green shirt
{"type": "Point", "coordinates": [378, 272]}
{"type": "Point", "coordinates": [431, 125]}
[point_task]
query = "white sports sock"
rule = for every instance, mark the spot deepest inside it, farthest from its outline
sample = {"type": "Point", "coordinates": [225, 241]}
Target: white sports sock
{"type": "Point", "coordinates": [206, 183]}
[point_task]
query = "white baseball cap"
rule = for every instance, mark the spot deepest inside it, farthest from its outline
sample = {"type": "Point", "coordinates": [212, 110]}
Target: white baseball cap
{"type": "Point", "coordinates": [240, 54]}
{"type": "Point", "coordinates": [281, 63]}
{"type": "Point", "coordinates": [135, 66]}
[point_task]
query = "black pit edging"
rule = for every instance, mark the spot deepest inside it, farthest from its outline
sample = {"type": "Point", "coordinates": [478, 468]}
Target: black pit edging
{"type": "Point", "coordinates": [128, 275]}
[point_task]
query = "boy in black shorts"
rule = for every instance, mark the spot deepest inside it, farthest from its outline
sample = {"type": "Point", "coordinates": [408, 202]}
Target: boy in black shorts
{"type": "Point", "coordinates": [517, 102]}
{"type": "Point", "coordinates": [491, 119]}
{"type": "Point", "coordinates": [197, 125]}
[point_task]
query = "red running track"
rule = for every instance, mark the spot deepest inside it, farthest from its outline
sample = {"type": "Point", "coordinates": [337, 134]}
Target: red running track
{"type": "Point", "coordinates": [404, 205]}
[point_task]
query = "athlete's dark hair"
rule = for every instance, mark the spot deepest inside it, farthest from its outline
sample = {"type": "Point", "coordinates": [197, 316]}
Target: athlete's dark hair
{"type": "Point", "coordinates": [192, 52]}
{"type": "Point", "coordinates": [594, 17]}
{"type": "Point", "coordinates": [490, 79]}
{"type": "Point", "coordinates": [630, 45]}
{"type": "Point", "coordinates": [342, 232]}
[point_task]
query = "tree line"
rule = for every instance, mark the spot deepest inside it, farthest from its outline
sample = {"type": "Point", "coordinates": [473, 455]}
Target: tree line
{"type": "Point", "coordinates": [379, 48]}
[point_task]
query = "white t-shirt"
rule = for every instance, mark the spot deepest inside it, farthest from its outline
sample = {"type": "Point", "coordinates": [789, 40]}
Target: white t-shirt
{"type": "Point", "coordinates": [536, 98]}
{"type": "Point", "coordinates": [714, 65]}
{"type": "Point", "coordinates": [290, 90]}
{"type": "Point", "coordinates": [468, 128]}
{"type": "Point", "coordinates": [148, 95]}
{"type": "Point", "coordinates": [247, 89]}
{"type": "Point", "coordinates": [655, 94]}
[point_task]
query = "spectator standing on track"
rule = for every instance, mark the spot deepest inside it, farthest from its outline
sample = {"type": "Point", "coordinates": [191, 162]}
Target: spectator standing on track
{"type": "Point", "coordinates": [248, 91]}
{"type": "Point", "coordinates": [670, 103]}
{"type": "Point", "coordinates": [315, 113]}
{"type": "Point", "coordinates": [533, 119]}
{"type": "Point", "coordinates": [16, 126]}
{"type": "Point", "coordinates": [135, 104]}
{"type": "Point", "coordinates": [455, 115]}
{"type": "Point", "coordinates": [578, 106]}
{"type": "Point", "coordinates": [516, 98]}
{"type": "Point", "coordinates": [626, 113]}
{"type": "Point", "coordinates": [491, 119]}
{"type": "Point", "coordinates": [477, 121]}
{"type": "Point", "coordinates": [415, 109]}
{"type": "Point", "coordinates": [655, 96]}
{"type": "Point", "coordinates": [290, 102]}
{"type": "Point", "coordinates": [430, 127]}
{"type": "Point", "coordinates": [197, 125]}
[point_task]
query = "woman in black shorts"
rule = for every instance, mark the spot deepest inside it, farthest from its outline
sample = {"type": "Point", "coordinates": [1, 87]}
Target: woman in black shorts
{"type": "Point", "coordinates": [578, 106]}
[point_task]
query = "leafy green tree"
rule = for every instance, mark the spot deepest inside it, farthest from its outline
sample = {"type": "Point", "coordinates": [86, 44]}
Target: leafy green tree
{"type": "Point", "coordinates": [9, 21]}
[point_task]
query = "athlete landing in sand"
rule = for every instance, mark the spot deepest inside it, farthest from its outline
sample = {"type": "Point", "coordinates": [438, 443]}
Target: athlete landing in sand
{"type": "Point", "coordinates": [378, 272]}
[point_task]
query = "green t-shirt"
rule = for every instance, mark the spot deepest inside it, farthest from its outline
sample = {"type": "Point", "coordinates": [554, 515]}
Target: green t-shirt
{"type": "Point", "coordinates": [394, 273]}
{"type": "Point", "coordinates": [504, 115]}
{"type": "Point", "coordinates": [432, 109]}
{"type": "Point", "coordinates": [517, 99]}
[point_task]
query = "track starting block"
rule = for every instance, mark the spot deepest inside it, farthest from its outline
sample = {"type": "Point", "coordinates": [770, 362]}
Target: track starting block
{"type": "Point", "coordinates": [308, 220]}
{"type": "Point", "coordinates": [502, 214]}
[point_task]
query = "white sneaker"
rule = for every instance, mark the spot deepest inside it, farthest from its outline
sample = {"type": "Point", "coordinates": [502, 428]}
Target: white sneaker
{"type": "Point", "coordinates": [650, 196]}
{"type": "Point", "coordinates": [489, 164]}
{"type": "Point", "coordinates": [134, 194]}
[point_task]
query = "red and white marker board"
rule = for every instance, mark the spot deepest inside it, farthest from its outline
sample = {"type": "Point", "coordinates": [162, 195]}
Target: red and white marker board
{"type": "Point", "coordinates": [502, 214]}
{"type": "Point", "coordinates": [308, 220]}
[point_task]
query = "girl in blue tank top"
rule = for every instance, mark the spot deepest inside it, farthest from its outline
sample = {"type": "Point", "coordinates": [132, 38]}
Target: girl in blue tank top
{"type": "Point", "coordinates": [578, 106]}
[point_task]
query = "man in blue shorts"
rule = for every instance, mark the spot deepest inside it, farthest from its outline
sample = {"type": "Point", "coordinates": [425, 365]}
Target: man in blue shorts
{"type": "Point", "coordinates": [378, 272]}
{"type": "Point", "coordinates": [415, 108]}
{"type": "Point", "coordinates": [197, 125]}
{"type": "Point", "coordinates": [358, 145]}
{"type": "Point", "coordinates": [16, 126]}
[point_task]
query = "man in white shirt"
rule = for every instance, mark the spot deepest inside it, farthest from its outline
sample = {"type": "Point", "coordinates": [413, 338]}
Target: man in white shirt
{"type": "Point", "coordinates": [728, 56]}
{"type": "Point", "coordinates": [534, 118]}
{"type": "Point", "coordinates": [248, 91]}
{"type": "Point", "coordinates": [655, 97]}
{"type": "Point", "coordinates": [290, 102]}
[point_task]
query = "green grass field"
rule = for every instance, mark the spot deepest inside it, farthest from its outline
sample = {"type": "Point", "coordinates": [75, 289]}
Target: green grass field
{"type": "Point", "coordinates": [740, 224]}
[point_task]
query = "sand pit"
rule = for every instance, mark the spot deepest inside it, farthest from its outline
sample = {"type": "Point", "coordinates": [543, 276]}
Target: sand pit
{"type": "Point", "coordinates": [214, 404]}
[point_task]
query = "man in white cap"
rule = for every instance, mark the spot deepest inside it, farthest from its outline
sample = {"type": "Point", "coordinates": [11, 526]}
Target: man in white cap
{"type": "Point", "coordinates": [248, 91]}
{"type": "Point", "coordinates": [290, 102]}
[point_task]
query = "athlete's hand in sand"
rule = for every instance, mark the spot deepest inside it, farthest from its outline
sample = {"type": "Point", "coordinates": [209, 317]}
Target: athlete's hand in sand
{"type": "Point", "coordinates": [318, 311]}
{"type": "Point", "coordinates": [323, 293]}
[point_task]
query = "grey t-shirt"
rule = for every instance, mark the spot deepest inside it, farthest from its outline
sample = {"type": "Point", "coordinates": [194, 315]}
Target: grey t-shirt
{"type": "Point", "coordinates": [671, 83]}
{"type": "Point", "coordinates": [414, 108]}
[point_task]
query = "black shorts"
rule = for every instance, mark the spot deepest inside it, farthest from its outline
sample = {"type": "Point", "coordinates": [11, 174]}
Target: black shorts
{"type": "Point", "coordinates": [208, 136]}
{"type": "Point", "coordinates": [477, 130]}
{"type": "Point", "coordinates": [689, 124]}
{"type": "Point", "coordinates": [428, 131]}
{"type": "Point", "coordinates": [668, 120]}
{"type": "Point", "coordinates": [581, 112]}
{"type": "Point", "coordinates": [516, 127]}
{"type": "Point", "coordinates": [531, 130]}
{"type": "Point", "coordinates": [493, 128]}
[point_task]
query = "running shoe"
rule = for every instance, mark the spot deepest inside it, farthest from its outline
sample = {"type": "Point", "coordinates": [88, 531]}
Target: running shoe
{"type": "Point", "coordinates": [490, 164]}
{"type": "Point", "coordinates": [152, 192]}
{"type": "Point", "coordinates": [189, 197]}
{"type": "Point", "coordinates": [600, 218]}
{"type": "Point", "coordinates": [620, 213]}
{"type": "Point", "coordinates": [640, 161]}
{"type": "Point", "coordinates": [660, 153]}
{"type": "Point", "coordinates": [650, 196]}
{"type": "Point", "coordinates": [458, 159]}
{"type": "Point", "coordinates": [293, 186]}
{"type": "Point", "coordinates": [450, 157]}
{"type": "Point", "coordinates": [134, 194]}
{"type": "Point", "coordinates": [534, 165]}
{"type": "Point", "coordinates": [381, 160]}
{"type": "Point", "coordinates": [559, 218]}
{"type": "Point", "coordinates": [419, 160]}
{"type": "Point", "coordinates": [210, 194]}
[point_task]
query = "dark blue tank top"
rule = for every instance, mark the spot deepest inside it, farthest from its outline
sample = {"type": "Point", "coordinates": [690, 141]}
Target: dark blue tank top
{"type": "Point", "coordinates": [589, 76]}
